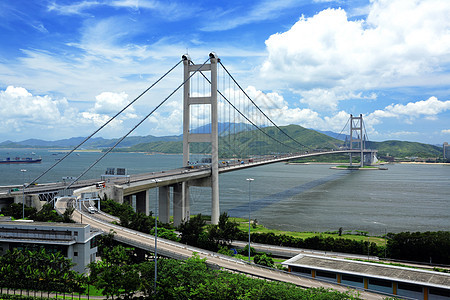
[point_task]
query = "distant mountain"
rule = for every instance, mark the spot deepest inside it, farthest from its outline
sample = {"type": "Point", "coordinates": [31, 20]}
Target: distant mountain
{"type": "Point", "coordinates": [11, 144]}
{"type": "Point", "coordinates": [237, 134]}
{"type": "Point", "coordinates": [92, 143]}
{"type": "Point", "coordinates": [311, 139]}
{"type": "Point", "coordinates": [99, 142]}
{"type": "Point", "coordinates": [241, 142]}
{"type": "Point", "coordinates": [224, 128]}
{"type": "Point", "coordinates": [335, 135]}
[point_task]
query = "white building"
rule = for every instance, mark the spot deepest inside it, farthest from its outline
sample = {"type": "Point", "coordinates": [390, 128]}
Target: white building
{"type": "Point", "coordinates": [74, 241]}
{"type": "Point", "coordinates": [446, 151]}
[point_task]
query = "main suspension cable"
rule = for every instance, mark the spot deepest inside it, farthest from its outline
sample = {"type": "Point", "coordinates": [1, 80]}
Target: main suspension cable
{"type": "Point", "coordinates": [101, 127]}
{"type": "Point", "coordinates": [343, 128]}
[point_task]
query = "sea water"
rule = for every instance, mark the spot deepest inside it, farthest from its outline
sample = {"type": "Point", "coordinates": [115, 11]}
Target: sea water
{"type": "Point", "coordinates": [296, 197]}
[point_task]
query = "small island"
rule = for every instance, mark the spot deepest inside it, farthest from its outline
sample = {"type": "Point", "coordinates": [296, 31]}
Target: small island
{"type": "Point", "coordinates": [347, 167]}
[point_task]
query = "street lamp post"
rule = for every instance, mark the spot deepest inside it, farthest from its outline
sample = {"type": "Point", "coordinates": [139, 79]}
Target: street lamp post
{"type": "Point", "coordinates": [156, 233]}
{"type": "Point", "coordinates": [249, 193]}
{"type": "Point", "coordinates": [23, 193]}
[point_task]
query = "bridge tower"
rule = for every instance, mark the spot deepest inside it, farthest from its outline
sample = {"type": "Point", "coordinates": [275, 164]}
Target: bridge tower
{"type": "Point", "coordinates": [356, 136]}
{"type": "Point", "coordinates": [212, 137]}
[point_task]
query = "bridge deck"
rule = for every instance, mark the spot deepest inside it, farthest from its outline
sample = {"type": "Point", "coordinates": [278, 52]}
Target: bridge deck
{"type": "Point", "coordinates": [139, 182]}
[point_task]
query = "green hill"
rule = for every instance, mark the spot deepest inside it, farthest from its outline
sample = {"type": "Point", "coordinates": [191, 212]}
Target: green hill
{"type": "Point", "coordinates": [254, 142]}
{"type": "Point", "coordinates": [250, 142]}
{"type": "Point", "coordinates": [405, 149]}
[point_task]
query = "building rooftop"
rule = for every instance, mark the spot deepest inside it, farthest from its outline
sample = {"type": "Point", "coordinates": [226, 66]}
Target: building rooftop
{"type": "Point", "coordinates": [343, 266]}
{"type": "Point", "coordinates": [34, 224]}
{"type": "Point", "coordinates": [45, 232]}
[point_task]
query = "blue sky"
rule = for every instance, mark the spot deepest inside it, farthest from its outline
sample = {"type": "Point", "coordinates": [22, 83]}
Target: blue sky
{"type": "Point", "coordinates": [65, 66]}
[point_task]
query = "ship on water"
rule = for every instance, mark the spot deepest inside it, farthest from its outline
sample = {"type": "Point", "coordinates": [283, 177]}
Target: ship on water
{"type": "Point", "coordinates": [20, 160]}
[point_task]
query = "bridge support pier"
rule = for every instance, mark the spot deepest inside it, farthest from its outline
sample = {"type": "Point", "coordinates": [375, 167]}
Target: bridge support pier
{"type": "Point", "coordinates": [181, 206]}
{"type": "Point", "coordinates": [114, 192]}
{"type": "Point", "coordinates": [142, 201]}
{"type": "Point", "coordinates": [31, 200]}
{"type": "Point", "coordinates": [164, 204]}
{"type": "Point", "coordinates": [370, 158]}
{"type": "Point", "coordinates": [181, 209]}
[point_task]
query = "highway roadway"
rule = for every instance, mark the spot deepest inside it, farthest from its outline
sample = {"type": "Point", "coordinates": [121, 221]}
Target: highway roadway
{"type": "Point", "coordinates": [179, 251]}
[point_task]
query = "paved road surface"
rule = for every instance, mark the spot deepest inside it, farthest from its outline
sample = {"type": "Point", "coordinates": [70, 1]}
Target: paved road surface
{"type": "Point", "coordinates": [180, 251]}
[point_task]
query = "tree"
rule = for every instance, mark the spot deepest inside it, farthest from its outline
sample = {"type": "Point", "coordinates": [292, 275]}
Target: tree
{"type": "Point", "coordinates": [47, 214]}
{"type": "Point", "coordinates": [114, 274]}
{"type": "Point", "coordinates": [420, 246]}
{"type": "Point", "coordinates": [225, 231]}
{"type": "Point", "coordinates": [15, 210]}
{"type": "Point", "coordinates": [67, 215]}
{"type": "Point", "coordinates": [166, 234]}
{"type": "Point", "coordinates": [264, 260]}
{"type": "Point", "coordinates": [192, 230]}
{"type": "Point", "coordinates": [41, 270]}
{"type": "Point", "coordinates": [141, 222]}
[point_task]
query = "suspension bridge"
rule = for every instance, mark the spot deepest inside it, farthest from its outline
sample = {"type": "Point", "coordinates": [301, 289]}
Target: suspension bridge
{"type": "Point", "coordinates": [224, 130]}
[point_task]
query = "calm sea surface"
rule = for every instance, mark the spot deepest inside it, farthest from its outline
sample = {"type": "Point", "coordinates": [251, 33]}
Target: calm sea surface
{"type": "Point", "coordinates": [289, 197]}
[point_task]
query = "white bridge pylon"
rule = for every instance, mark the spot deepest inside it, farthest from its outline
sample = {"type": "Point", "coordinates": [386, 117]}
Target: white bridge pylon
{"type": "Point", "coordinates": [212, 137]}
{"type": "Point", "coordinates": [358, 141]}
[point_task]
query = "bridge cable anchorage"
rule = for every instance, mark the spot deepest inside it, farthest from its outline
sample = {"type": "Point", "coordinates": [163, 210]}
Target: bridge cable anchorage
{"type": "Point", "coordinates": [136, 126]}
{"type": "Point", "coordinates": [250, 121]}
{"type": "Point", "coordinates": [261, 110]}
{"type": "Point", "coordinates": [106, 123]}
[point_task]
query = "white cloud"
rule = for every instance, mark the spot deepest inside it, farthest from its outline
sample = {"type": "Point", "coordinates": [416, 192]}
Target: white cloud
{"type": "Point", "coordinates": [27, 115]}
{"type": "Point", "coordinates": [328, 99]}
{"type": "Point", "coordinates": [278, 110]}
{"type": "Point", "coordinates": [406, 113]}
{"type": "Point", "coordinates": [164, 9]}
{"type": "Point", "coordinates": [428, 108]}
{"type": "Point", "coordinates": [446, 131]}
{"type": "Point", "coordinates": [167, 120]}
{"type": "Point", "coordinates": [399, 42]}
{"type": "Point", "coordinates": [111, 103]}
{"type": "Point", "coordinates": [94, 118]}
{"type": "Point", "coordinates": [17, 103]}
{"type": "Point", "coordinates": [74, 8]}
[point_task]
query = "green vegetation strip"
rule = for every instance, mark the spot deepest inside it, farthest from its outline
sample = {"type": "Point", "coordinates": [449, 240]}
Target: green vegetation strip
{"type": "Point", "coordinates": [356, 235]}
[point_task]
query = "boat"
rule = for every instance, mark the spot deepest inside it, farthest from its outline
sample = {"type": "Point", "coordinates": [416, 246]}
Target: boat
{"type": "Point", "coordinates": [20, 160]}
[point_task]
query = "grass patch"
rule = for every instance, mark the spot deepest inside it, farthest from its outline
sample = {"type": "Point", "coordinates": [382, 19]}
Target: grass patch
{"type": "Point", "coordinates": [355, 167]}
{"type": "Point", "coordinates": [93, 291]}
{"type": "Point", "coordinates": [243, 225]}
